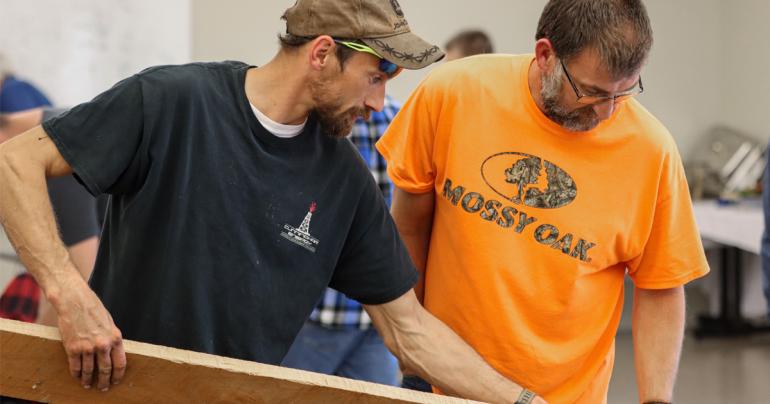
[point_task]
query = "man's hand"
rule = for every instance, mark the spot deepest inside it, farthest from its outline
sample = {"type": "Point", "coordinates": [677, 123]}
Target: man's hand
{"type": "Point", "coordinates": [93, 343]}
{"type": "Point", "coordinates": [91, 340]}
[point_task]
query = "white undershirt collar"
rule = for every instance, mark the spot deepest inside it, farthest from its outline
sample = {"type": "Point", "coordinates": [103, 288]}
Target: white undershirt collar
{"type": "Point", "coordinates": [278, 129]}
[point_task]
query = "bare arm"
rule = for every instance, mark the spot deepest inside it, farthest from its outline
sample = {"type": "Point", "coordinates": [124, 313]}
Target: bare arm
{"type": "Point", "coordinates": [658, 327]}
{"type": "Point", "coordinates": [413, 215]}
{"type": "Point", "coordinates": [83, 255]}
{"type": "Point", "coordinates": [92, 341]}
{"type": "Point", "coordinates": [430, 348]}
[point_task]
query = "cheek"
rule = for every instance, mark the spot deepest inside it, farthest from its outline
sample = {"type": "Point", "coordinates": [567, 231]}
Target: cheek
{"type": "Point", "coordinates": [355, 93]}
{"type": "Point", "coordinates": [568, 101]}
{"type": "Point", "coordinates": [568, 97]}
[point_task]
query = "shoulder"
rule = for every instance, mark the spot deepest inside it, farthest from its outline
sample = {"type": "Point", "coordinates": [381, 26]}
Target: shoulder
{"type": "Point", "coordinates": [190, 76]}
{"type": "Point", "coordinates": [475, 68]}
{"type": "Point", "coordinates": [469, 77]}
{"type": "Point", "coordinates": [651, 134]}
{"type": "Point", "coordinates": [193, 69]}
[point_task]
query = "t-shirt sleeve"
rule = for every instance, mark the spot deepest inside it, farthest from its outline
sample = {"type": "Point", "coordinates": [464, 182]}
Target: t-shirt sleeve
{"type": "Point", "coordinates": [408, 143]}
{"type": "Point", "coordinates": [99, 139]}
{"type": "Point", "coordinates": [673, 254]}
{"type": "Point", "coordinates": [374, 266]}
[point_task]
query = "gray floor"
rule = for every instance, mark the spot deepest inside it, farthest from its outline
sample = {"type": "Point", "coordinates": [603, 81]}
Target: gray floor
{"type": "Point", "coordinates": [714, 371]}
{"type": "Point", "coordinates": [711, 371]}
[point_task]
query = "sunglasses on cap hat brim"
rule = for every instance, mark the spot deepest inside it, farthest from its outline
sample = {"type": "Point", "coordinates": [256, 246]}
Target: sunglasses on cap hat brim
{"type": "Point", "coordinates": [389, 68]}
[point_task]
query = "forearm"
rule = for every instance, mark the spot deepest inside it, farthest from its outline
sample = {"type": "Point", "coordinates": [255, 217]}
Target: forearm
{"type": "Point", "coordinates": [27, 217]}
{"type": "Point", "coordinates": [413, 216]}
{"type": "Point", "coordinates": [658, 328]}
{"type": "Point", "coordinates": [83, 255]}
{"type": "Point", "coordinates": [438, 355]}
{"type": "Point", "coordinates": [92, 342]}
{"type": "Point", "coordinates": [416, 242]}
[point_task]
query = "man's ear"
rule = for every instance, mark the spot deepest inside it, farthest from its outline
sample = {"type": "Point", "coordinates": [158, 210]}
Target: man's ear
{"type": "Point", "coordinates": [545, 57]}
{"type": "Point", "coordinates": [322, 52]}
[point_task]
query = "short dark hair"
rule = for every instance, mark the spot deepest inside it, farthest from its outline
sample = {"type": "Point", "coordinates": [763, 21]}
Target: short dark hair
{"type": "Point", "coordinates": [291, 42]}
{"type": "Point", "coordinates": [470, 42]}
{"type": "Point", "coordinates": [619, 30]}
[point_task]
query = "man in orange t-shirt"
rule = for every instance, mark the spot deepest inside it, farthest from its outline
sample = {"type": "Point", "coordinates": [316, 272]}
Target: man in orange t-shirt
{"type": "Point", "coordinates": [528, 186]}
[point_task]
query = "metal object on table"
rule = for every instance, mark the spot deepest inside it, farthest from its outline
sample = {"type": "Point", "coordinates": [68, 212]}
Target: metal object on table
{"type": "Point", "coordinates": [725, 162]}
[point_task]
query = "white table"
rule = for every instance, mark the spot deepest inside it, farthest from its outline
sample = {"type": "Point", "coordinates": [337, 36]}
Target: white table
{"type": "Point", "coordinates": [739, 225]}
{"type": "Point", "coordinates": [737, 228]}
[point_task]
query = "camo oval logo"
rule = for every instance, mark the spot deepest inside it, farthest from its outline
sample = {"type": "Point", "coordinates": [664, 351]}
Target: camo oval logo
{"type": "Point", "coordinates": [529, 180]}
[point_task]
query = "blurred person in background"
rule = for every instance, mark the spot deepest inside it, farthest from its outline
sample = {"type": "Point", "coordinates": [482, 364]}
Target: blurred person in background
{"type": "Point", "coordinates": [468, 43]}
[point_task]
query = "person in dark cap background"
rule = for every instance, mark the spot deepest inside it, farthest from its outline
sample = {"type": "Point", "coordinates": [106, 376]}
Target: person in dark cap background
{"type": "Point", "coordinates": [468, 43]}
{"type": "Point", "coordinates": [235, 201]}
{"type": "Point", "coordinates": [18, 95]}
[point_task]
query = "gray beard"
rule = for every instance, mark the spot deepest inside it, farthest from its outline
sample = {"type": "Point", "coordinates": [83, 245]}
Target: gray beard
{"type": "Point", "coordinates": [577, 120]}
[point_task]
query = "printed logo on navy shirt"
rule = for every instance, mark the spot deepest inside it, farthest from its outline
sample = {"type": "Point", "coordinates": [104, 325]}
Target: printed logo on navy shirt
{"type": "Point", "coordinates": [301, 236]}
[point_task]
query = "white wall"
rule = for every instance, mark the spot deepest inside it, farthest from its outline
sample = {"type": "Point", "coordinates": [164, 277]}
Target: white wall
{"type": "Point", "coordinates": [75, 49]}
{"type": "Point", "coordinates": [746, 57]}
{"type": "Point", "coordinates": [511, 24]}
{"type": "Point", "coordinates": [246, 30]}
{"type": "Point", "coordinates": [684, 78]}
{"type": "Point", "coordinates": [709, 64]}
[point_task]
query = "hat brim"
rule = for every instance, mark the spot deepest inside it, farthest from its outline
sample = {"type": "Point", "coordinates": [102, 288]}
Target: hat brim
{"type": "Point", "coordinates": [406, 50]}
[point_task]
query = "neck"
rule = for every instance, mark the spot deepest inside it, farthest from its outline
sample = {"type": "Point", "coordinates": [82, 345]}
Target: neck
{"type": "Point", "coordinates": [280, 90]}
{"type": "Point", "coordinates": [535, 84]}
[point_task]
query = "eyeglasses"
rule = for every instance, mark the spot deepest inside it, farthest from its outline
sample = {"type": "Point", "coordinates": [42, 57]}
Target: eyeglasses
{"type": "Point", "coordinates": [389, 68]}
{"type": "Point", "coordinates": [600, 99]}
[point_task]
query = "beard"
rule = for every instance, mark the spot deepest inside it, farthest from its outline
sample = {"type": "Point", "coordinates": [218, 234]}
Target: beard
{"type": "Point", "coordinates": [576, 120]}
{"type": "Point", "coordinates": [335, 120]}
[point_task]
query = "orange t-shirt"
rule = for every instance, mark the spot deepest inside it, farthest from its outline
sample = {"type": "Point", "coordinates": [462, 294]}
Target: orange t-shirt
{"type": "Point", "coordinates": [534, 226]}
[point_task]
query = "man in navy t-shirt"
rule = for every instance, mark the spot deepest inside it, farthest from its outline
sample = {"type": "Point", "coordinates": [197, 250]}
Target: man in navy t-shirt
{"type": "Point", "coordinates": [235, 201]}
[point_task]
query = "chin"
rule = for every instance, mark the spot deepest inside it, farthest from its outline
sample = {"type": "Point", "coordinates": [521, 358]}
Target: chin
{"type": "Point", "coordinates": [579, 126]}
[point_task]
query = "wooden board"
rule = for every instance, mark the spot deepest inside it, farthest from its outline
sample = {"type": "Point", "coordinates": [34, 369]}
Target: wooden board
{"type": "Point", "coordinates": [33, 366]}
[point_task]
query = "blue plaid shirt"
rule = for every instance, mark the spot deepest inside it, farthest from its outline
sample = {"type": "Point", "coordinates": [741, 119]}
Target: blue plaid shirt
{"type": "Point", "coordinates": [335, 310]}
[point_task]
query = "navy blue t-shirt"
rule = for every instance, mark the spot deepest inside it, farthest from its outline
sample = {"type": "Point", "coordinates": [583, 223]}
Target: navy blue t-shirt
{"type": "Point", "coordinates": [221, 237]}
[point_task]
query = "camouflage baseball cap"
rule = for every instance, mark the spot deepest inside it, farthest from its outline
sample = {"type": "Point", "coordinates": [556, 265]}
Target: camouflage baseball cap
{"type": "Point", "coordinates": [380, 24]}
